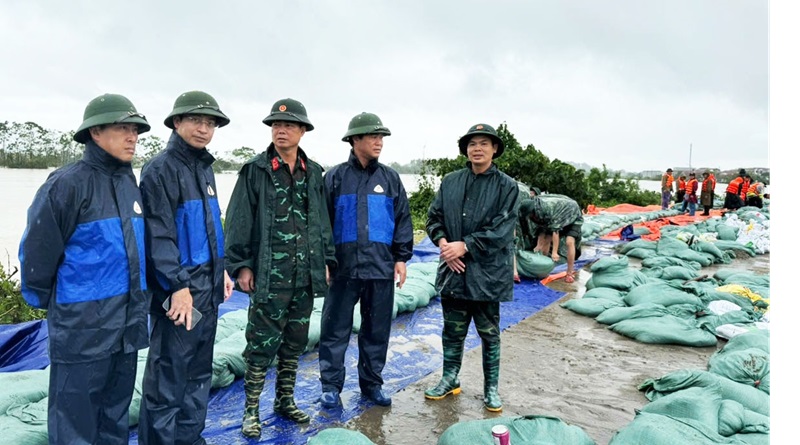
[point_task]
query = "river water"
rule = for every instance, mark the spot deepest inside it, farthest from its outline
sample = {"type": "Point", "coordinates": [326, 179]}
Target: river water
{"type": "Point", "coordinates": [18, 187]}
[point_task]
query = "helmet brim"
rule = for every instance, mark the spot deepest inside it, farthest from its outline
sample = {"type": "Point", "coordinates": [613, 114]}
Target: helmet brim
{"type": "Point", "coordinates": [464, 140]}
{"type": "Point", "coordinates": [222, 120]}
{"type": "Point", "coordinates": [82, 134]}
{"type": "Point", "coordinates": [285, 116]}
{"type": "Point", "coordinates": [367, 129]}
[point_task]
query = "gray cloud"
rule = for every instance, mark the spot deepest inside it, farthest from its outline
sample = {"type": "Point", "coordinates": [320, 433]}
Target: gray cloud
{"type": "Point", "coordinates": [626, 83]}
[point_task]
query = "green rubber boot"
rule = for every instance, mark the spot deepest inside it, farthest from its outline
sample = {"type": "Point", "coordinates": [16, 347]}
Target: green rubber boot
{"type": "Point", "coordinates": [449, 384]}
{"type": "Point", "coordinates": [253, 385]}
{"type": "Point", "coordinates": [491, 377]}
{"type": "Point", "coordinates": [284, 404]}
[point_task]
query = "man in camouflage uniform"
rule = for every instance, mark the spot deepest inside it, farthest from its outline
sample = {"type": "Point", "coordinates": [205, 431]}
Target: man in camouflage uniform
{"type": "Point", "coordinates": [279, 247]}
{"type": "Point", "coordinates": [472, 220]}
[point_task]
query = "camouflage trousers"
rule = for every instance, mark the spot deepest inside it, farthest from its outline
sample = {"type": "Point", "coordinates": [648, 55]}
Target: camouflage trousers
{"type": "Point", "coordinates": [457, 316]}
{"type": "Point", "coordinates": [279, 326]}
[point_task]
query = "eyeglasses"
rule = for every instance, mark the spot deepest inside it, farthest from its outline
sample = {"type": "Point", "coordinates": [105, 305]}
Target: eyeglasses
{"type": "Point", "coordinates": [196, 120]}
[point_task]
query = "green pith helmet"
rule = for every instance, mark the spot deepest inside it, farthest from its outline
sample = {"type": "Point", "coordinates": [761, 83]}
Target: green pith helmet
{"type": "Point", "coordinates": [481, 129]}
{"type": "Point", "coordinates": [288, 110]}
{"type": "Point", "coordinates": [109, 109]}
{"type": "Point", "coordinates": [365, 123]}
{"type": "Point", "coordinates": [196, 102]}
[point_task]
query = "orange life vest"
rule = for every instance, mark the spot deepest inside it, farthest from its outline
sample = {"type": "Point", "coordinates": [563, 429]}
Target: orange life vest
{"type": "Point", "coordinates": [753, 189]}
{"type": "Point", "coordinates": [691, 187]}
{"type": "Point", "coordinates": [745, 188]}
{"type": "Point", "coordinates": [735, 185]}
{"type": "Point", "coordinates": [681, 184]}
{"type": "Point", "coordinates": [669, 181]}
{"type": "Point", "coordinates": [709, 184]}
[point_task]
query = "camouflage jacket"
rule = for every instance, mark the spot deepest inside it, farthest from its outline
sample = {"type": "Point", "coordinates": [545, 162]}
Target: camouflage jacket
{"type": "Point", "coordinates": [250, 220]}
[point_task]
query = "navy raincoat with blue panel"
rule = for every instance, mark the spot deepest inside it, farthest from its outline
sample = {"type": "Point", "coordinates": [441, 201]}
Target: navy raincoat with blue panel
{"type": "Point", "coordinates": [82, 258]}
{"type": "Point", "coordinates": [366, 204]}
{"type": "Point", "coordinates": [185, 249]}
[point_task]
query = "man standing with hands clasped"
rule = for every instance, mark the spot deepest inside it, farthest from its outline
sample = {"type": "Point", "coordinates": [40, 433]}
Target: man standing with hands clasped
{"type": "Point", "coordinates": [185, 259]}
{"type": "Point", "coordinates": [374, 238]}
{"type": "Point", "coordinates": [472, 220]}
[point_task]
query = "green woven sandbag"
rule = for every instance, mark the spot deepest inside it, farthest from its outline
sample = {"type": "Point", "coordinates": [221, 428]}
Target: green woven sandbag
{"type": "Point", "coordinates": [665, 330]}
{"type": "Point", "coordinates": [747, 366]}
{"type": "Point", "coordinates": [590, 307]}
{"type": "Point", "coordinates": [526, 430]}
{"type": "Point", "coordinates": [750, 397]}
{"type": "Point", "coordinates": [664, 261]}
{"type": "Point", "coordinates": [712, 322]}
{"type": "Point", "coordinates": [686, 417]}
{"type": "Point", "coordinates": [668, 246]}
{"type": "Point", "coordinates": [17, 432]}
{"type": "Point", "coordinates": [734, 246]}
{"type": "Point", "coordinates": [637, 244]}
{"type": "Point", "coordinates": [604, 292]}
{"type": "Point", "coordinates": [22, 387]}
{"type": "Point", "coordinates": [727, 233]}
{"type": "Point", "coordinates": [613, 263]}
{"type": "Point", "coordinates": [758, 339]}
{"type": "Point", "coordinates": [735, 418]}
{"type": "Point", "coordinates": [339, 436]}
{"type": "Point", "coordinates": [641, 253]}
{"type": "Point", "coordinates": [671, 273]}
{"type": "Point", "coordinates": [660, 293]}
{"type": "Point", "coordinates": [534, 265]}
{"type": "Point", "coordinates": [711, 248]}
{"type": "Point", "coordinates": [617, 314]}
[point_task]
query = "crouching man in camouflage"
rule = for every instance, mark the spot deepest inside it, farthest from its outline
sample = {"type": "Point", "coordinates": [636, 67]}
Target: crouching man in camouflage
{"type": "Point", "coordinates": [278, 247]}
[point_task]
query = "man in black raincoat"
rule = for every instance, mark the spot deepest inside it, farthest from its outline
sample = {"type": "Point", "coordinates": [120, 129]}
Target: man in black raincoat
{"type": "Point", "coordinates": [185, 258]}
{"type": "Point", "coordinates": [472, 220]}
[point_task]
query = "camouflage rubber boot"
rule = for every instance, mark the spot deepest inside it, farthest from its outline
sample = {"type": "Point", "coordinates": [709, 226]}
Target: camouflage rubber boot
{"type": "Point", "coordinates": [284, 393]}
{"type": "Point", "coordinates": [253, 385]}
{"type": "Point", "coordinates": [491, 377]}
{"type": "Point", "coordinates": [449, 384]}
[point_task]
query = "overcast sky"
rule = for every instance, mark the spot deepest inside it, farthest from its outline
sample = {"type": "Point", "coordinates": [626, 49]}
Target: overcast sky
{"type": "Point", "coordinates": [629, 84]}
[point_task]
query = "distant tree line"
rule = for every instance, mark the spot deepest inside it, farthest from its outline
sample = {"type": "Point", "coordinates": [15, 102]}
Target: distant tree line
{"type": "Point", "coordinates": [29, 145]}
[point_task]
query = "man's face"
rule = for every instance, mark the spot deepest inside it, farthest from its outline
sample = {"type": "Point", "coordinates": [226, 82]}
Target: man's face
{"type": "Point", "coordinates": [286, 135]}
{"type": "Point", "coordinates": [480, 150]}
{"type": "Point", "coordinates": [118, 140]}
{"type": "Point", "coordinates": [368, 146]}
{"type": "Point", "coordinates": [197, 130]}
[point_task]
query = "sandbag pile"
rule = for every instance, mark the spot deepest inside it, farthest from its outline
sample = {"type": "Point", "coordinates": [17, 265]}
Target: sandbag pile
{"type": "Point", "coordinates": [726, 404]}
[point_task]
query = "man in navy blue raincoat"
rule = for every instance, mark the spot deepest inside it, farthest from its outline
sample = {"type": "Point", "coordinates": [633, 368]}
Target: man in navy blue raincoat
{"type": "Point", "coordinates": [185, 258]}
{"type": "Point", "coordinates": [82, 258]}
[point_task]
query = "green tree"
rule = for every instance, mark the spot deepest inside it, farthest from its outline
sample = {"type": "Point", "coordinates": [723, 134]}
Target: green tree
{"type": "Point", "coordinates": [146, 148]}
{"type": "Point", "coordinates": [243, 154]}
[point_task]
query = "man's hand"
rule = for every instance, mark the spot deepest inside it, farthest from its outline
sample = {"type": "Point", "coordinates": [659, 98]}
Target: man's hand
{"type": "Point", "coordinates": [456, 265]}
{"type": "Point", "coordinates": [228, 286]}
{"type": "Point", "coordinates": [555, 257]}
{"type": "Point", "coordinates": [453, 250]}
{"type": "Point", "coordinates": [400, 273]}
{"type": "Point", "coordinates": [180, 308]}
{"type": "Point", "coordinates": [245, 280]}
